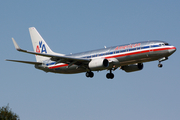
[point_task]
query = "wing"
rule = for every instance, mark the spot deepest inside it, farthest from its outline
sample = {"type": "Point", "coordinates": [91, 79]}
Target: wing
{"type": "Point", "coordinates": [59, 59]}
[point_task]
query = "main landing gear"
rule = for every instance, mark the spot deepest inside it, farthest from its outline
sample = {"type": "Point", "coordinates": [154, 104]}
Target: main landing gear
{"type": "Point", "coordinates": [110, 75]}
{"type": "Point", "coordinates": [160, 60]}
{"type": "Point", "coordinates": [89, 74]}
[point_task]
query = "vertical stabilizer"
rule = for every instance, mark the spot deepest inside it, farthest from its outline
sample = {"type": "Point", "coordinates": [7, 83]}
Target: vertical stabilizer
{"type": "Point", "coordinates": [39, 45]}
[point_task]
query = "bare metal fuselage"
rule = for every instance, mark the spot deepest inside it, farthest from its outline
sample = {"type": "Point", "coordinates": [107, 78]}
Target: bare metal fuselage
{"type": "Point", "coordinates": [117, 56]}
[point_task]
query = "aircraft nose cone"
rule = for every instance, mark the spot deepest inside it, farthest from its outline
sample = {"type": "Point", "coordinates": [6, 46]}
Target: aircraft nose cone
{"type": "Point", "coordinates": [172, 50]}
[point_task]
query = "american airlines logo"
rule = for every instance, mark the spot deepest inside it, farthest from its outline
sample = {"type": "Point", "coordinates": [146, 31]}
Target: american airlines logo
{"type": "Point", "coordinates": [128, 46]}
{"type": "Point", "coordinates": [41, 48]}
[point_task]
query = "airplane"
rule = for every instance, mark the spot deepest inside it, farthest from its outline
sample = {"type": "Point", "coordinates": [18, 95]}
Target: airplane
{"type": "Point", "coordinates": [128, 57]}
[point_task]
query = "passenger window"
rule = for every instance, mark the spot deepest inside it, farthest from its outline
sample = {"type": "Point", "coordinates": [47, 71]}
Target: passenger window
{"type": "Point", "coordinates": [123, 50]}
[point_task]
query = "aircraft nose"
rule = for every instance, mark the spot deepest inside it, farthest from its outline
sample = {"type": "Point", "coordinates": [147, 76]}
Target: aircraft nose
{"type": "Point", "coordinates": [172, 50]}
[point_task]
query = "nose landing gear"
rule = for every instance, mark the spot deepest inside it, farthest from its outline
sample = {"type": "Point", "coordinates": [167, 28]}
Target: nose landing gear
{"type": "Point", "coordinates": [160, 60]}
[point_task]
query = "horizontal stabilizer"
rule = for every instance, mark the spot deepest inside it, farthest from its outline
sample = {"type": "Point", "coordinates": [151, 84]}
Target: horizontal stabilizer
{"type": "Point", "coordinates": [27, 62]}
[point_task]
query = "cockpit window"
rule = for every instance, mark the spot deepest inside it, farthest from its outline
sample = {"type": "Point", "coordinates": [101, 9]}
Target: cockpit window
{"type": "Point", "coordinates": [162, 44]}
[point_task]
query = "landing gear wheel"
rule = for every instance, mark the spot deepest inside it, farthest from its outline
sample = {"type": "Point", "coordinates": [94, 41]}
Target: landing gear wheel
{"type": "Point", "coordinates": [110, 75]}
{"type": "Point", "coordinates": [160, 65]}
{"type": "Point", "coordinates": [89, 74]}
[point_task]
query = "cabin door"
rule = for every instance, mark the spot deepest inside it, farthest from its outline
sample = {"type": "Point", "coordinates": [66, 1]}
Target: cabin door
{"type": "Point", "coordinates": [151, 49]}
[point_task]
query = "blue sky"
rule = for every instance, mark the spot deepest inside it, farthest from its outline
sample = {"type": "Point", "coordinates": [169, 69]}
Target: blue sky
{"type": "Point", "coordinates": [75, 26]}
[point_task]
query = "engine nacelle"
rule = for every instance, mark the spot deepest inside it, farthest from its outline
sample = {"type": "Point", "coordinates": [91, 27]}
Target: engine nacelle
{"type": "Point", "coordinates": [98, 64]}
{"type": "Point", "coordinates": [132, 68]}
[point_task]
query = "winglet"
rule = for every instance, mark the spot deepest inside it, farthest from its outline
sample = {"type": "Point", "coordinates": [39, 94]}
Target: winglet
{"type": "Point", "coordinates": [15, 44]}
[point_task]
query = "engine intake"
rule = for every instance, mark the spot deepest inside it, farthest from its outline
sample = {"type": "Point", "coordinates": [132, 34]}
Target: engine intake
{"type": "Point", "coordinates": [133, 67]}
{"type": "Point", "coordinates": [98, 64]}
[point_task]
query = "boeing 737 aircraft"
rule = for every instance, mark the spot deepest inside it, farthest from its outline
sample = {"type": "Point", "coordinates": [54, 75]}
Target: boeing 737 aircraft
{"type": "Point", "coordinates": [129, 57]}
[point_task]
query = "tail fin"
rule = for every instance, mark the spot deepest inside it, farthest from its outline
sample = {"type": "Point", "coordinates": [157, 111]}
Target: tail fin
{"type": "Point", "coordinates": [39, 44]}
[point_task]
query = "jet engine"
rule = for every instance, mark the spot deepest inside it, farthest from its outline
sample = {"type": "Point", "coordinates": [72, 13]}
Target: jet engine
{"type": "Point", "coordinates": [133, 67]}
{"type": "Point", "coordinates": [98, 64]}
